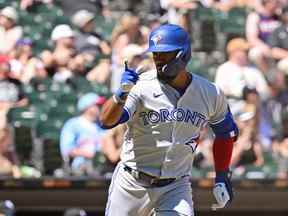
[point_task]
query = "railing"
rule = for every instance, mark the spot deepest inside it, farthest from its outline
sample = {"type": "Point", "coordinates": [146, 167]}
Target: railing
{"type": "Point", "coordinates": [91, 194]}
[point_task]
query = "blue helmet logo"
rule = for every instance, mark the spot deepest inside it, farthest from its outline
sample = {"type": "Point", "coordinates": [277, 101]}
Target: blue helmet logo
{"type": "Point", "coordinates": [169, 37]}
{"type": "Point", "coordinates": [156, 39]}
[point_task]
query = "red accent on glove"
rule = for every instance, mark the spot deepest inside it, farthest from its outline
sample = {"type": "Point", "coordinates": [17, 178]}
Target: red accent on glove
{"type": "Point", "coordinates": [222, 152]}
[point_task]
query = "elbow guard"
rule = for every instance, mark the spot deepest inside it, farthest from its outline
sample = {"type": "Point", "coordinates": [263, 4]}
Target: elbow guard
{"type": "Point", "coordinates": [124, 117]}
{"type": "Point", "coordinates": [227, 128]}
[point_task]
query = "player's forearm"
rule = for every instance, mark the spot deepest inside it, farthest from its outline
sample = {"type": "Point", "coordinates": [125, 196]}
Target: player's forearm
{"type": "Point", "coordinates": [111, 112]}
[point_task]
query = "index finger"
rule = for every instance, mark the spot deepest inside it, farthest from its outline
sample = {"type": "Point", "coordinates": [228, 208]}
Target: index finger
{"type": "Point", "coordinates": [126, 64]}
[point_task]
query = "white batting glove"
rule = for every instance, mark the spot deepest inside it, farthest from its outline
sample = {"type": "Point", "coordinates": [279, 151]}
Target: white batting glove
{"type": "Point", "coordinates": [221, 195]}
{"type": "Point", "coordinates": [222, 190]}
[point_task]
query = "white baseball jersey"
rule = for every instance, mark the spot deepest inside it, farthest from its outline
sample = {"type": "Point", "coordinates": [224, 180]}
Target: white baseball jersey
{"type": "Point", "coordinates": [163, 125]}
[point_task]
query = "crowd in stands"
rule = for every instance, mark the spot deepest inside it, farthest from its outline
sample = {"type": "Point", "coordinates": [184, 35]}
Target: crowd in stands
{"type": "Point", "coordinates": [60, 60]}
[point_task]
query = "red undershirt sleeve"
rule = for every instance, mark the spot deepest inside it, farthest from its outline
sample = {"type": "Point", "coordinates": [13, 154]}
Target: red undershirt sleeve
{"type": "Point", "coordinates": [222, 152]}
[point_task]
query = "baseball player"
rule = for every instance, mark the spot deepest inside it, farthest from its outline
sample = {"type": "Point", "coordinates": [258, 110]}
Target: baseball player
{"type": "Point", "coordinates": [165, 111]}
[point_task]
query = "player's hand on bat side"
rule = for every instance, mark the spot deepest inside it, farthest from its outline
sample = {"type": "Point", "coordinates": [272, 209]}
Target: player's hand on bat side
{"type": "Point", "coordinates": [222, 191]}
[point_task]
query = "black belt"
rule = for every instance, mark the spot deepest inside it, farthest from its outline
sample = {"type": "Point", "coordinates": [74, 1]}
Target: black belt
{"type": "Point", "coordinates": [148, 179]}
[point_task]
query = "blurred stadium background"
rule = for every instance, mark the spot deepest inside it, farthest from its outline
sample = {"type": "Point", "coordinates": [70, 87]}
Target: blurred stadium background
{"type": "Point", "coordinates": [59, 50]}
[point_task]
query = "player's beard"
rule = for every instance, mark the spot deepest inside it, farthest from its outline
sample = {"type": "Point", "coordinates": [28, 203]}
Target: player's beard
{"type": "Point", "coordinates": [162, 77]}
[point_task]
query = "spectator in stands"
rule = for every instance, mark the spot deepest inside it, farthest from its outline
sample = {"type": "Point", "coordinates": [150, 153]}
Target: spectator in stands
{"type": "Point", "coordinates": [10, 33]}
{"type": "Point", "coordinates": [86, 38]}
{"type": "Point", "coordinates": [11, 95]}
{"type": "Point", "coordinates": [11, 92]}
{"type": "Point", "coordinates": [111, 148]}
{"type": "Point", "coordinates": [25, 4]}
{"type": "Point", "coordinates": [63, 38]}
{"type": "Point", "coordinates": [247, 150]}
{"type": "Point", "coordinates": [37, 75]}
{"type": "Point", "coordinates": [77, 65]}
{"type": "Point", "coordinates": [22, 60]}
{"type": "Point", "coordinates": [236, 73]}
{"type": "Point", "coordinates": [259, 26]}
{"type": "Point", "coordinates": [204, 152]}
{"type": "Point", "coordinates": [82, 69]}
{"type": "Point", "coordinates": [128, 30]}
{"type": "Point", "coordinates": [153, 21]}
{"type": "Point", "coordinates": [101, 72]}
{"type": "Point", "coordinates": [132, 53]}
{"type": "Point", "coordinates": [280, 150]}
{"type": "Point", "coordinates": [8, 159]}
{"type": "Point", "coordinates": [278, 102]}
{"type": "Point", "coordinates": [178, 12]}
{"type": "Point", "coordinates": [225, 6]}
{"type": "Point", "coordinates": [278, 40]}
{"type": "Point", "coordinates": [263, 124]}
{"type": "Point", "coordinates": [125, 5]}
{"type": "Point", "coordinates": [69, 7]}
{"type": "Point", "coordinates": [92, 45]}
{"type": "Point", "coordinates": [148, 9]}
{"type": "Point", "coordinates": [81, 136]}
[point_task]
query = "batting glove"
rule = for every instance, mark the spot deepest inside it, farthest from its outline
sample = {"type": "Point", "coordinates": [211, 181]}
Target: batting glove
{"type": "Point", "coordinates": [128, 79]}
{"type": "Point", "coordinates": [222, 190]}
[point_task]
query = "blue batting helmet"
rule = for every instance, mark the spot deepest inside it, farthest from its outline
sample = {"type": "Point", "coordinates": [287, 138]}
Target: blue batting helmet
{"type": "Point", "coordinates": [169, 37]}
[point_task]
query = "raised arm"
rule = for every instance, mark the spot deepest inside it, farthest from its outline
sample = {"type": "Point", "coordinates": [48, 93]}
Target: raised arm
{"type": "Point", "coordinates": [113, 112]}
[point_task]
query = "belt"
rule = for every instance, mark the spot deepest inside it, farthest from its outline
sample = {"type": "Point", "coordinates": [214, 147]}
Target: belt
{"type": "Point", "coordinates": [148, 179]}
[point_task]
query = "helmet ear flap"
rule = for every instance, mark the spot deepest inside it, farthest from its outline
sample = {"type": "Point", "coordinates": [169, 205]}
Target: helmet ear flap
{"type": "Point", "coordinates": [179, 54]}
{"type": "Point", "coordinates": [178, 63]}
{"type": "Point", "coordinates": [187, 54]}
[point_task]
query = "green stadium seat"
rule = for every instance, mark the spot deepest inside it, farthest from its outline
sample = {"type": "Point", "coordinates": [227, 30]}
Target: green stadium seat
{"type": "Point", "coordinates": [233, 22]}
{"type": "Point", "coordinates": [57, 90]}
{"type": "Point", "coordinates": [4, 3]}
{"type": "Point", "coordinates": [203, 29]}
{"type": "Point", "coordinates": [59, 17]}
{"type": "Point", "coordinates": [62, 112]}
{"type": "Point", "coordinates": [39, 85]}
{"type": "Point", "coordinates": [196, 173]}
{"type": "Point", "coordinates": [101, 89]}
{"type": "Point", "coordinates": [38, 23]}
{"type": "Point", "coordinates": [80, 84]}
{"type": "Point", "coordinates": [40, 100]}
{"type": "Point", "coordinates": [44, 8]}
{"type": "Point", "coordinates": [48, 128]}
{"type": "Point", "coordinates": [204, 14]}
{"type": "Point", "coordinates": [105, 25]}
{"type": "Point", "coordinates": [48, 131]}
{"type": "Point", "coordinates": [22, 116]}
{"type": "Point", "coordinates": [26, 31]}
{"type": "Point", "coordinates": [270, 167]}
{"type": "Point", "coordinates": [98, 161]}
{"type": "Point", "coordinates": [23, 142]}
{"type": "Point", "coordinates": [23, 120]}
{"type": "Point", "coordinates": [25, 19]}
{"type": "Point", "coordinates": [66, 95]}
{"type": "Point", "coordinates": [52, 159]}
